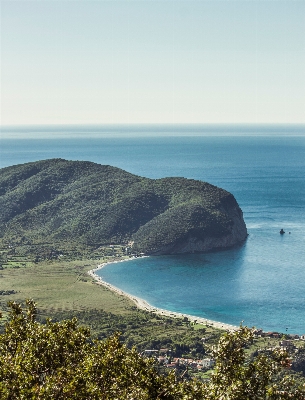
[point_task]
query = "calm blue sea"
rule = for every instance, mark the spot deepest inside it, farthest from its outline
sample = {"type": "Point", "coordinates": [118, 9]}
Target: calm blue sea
{"type": "Point", "coordinates": [262, 282]}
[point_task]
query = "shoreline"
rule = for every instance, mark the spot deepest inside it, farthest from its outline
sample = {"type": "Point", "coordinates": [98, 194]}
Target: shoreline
{"type": "Point", "coordinates": [144, 305]}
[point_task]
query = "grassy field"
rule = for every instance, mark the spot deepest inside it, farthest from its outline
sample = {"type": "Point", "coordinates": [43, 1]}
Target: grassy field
{"type": "Point", "coordinates": [59, 286]}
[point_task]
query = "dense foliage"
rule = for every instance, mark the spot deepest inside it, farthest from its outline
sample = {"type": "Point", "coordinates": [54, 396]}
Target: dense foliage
{"type": "Point", "coordinates": [94, 204]}
{"type": "Point", "coordinates": [144, 330]}
{"type": "Point", "coordinates": [59, 360]}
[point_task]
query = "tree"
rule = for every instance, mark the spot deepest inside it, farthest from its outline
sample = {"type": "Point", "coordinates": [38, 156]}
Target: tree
{"type": "Point", "coordinates": [235, 378]}
{"type": "Point", "coordinates": [60, 360]}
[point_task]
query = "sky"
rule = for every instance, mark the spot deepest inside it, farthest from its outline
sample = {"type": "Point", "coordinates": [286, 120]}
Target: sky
{"type": "Point", "coordinates": [141, 62]}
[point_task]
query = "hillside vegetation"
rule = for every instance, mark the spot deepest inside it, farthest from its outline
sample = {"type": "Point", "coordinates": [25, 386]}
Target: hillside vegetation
{"type": "Point", "coordinates": [60, 360]}
{"type": "Point", "coordinates": [94, 205]}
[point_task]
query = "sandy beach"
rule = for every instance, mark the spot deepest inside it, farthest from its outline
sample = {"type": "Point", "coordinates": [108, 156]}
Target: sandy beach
{"type": "Point", "coordinates": [143, 305]}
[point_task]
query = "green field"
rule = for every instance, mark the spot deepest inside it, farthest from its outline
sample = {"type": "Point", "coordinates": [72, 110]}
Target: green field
{"type": "Point", "coordinates": [60, 286]}
{"type": "Point", "coordinates": [56, 285]}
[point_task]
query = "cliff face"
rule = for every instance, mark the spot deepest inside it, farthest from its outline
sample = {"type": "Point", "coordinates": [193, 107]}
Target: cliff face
{"type": "Point", "coordinates": [96, 205]}
{"type": "Point", "coordinates": [225, 229]}
{"type": "Point", "coordinates": [193, 243]}
{"type": "Point", "coordinates": [237, 234]}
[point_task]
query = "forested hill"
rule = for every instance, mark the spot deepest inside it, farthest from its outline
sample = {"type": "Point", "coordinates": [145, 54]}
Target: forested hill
{"type": "Point", "coordinates": [99, 204]}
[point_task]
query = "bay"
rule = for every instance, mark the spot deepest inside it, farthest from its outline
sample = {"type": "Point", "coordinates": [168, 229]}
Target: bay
{"type": "Point", "coordinates": [263, 281]}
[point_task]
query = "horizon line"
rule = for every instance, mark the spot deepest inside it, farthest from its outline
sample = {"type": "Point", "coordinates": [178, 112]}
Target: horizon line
{"type": "Point", "coordinates": [166, 126]}
{"type": "Point", "coordinates": [10, 132]}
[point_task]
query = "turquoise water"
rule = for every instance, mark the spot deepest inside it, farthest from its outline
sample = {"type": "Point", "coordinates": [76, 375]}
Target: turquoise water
{"type": "Point", "coordinates": [263, 281]}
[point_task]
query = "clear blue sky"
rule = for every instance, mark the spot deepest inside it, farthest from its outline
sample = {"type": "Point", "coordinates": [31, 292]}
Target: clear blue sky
{"type": "Point", "coordinates": [101, 62]}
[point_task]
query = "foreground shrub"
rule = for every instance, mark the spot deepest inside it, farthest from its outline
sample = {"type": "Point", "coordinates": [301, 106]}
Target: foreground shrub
{"type": "Point", "coordinates": [59, 360]}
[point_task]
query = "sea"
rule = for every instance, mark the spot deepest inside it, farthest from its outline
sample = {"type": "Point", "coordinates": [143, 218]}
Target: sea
{"type": "Point", "coordinates": [260, 283]}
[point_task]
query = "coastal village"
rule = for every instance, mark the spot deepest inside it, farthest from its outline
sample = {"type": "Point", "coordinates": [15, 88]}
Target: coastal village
{"type": "Point", "coordinates": [181, 365]}
{"type": "Point", "coordinates": [292, 344]}
{"type": "Point", "coordinates": [164, 358]}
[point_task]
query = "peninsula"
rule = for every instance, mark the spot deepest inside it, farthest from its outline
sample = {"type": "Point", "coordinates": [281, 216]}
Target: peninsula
{"type": "Point", "coordinates": [97, 205]}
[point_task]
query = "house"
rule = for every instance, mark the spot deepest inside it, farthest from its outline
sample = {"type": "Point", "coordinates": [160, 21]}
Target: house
{"type": "Point", "coordinates": [162, 360]}
{"type": "Point", "coordinates": [287, 344]}
{"type": "Point", "coordinates": [272, 334]}
{"type": "Point", "coordinates": [292, 336]}
{"type": "Point", "coordinates": [150, 353]}
{"type": "Point", "coordinates": [207, 362]}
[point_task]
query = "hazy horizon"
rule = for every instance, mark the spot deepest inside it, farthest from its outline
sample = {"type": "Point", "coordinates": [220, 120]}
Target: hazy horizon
{"type": "Point", "coordinates": [134, 130]}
